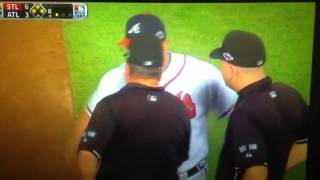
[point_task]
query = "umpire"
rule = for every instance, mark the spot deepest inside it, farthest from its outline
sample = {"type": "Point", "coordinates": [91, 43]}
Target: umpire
{"type": "Point", "coordinates": [140, 132]}
{"type": "Point", "coordinates": [268, 120]}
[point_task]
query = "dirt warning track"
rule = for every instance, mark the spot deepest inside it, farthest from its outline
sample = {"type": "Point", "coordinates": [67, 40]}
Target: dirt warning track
{"type": "Point", "coordinates": [35, 101]}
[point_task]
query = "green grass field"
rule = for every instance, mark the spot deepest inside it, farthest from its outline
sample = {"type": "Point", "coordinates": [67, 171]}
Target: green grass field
{"type": "Point", "coordinates": [194, 29]}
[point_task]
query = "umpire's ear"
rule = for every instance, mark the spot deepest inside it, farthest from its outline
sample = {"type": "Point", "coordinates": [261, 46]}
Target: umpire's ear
{"type": "Point", "coordinates": [127, 72]}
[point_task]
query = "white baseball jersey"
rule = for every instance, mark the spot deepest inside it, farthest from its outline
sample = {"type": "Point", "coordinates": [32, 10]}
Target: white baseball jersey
{"type": "Point", "coordinates": [197, 83]}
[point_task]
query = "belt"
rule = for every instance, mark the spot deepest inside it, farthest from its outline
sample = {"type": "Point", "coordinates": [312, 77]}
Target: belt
{"type": "Point", "coordinates": [195, 169]}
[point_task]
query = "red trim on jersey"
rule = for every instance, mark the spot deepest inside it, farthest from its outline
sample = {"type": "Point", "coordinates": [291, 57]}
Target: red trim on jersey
{"type": "Point", "coordinates": [175, 77]}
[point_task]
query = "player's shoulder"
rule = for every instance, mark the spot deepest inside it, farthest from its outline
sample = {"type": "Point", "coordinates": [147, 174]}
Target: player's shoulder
{"type": "Point", "coordinates": [194, 63]}
{"type": "Point", "coordinates": [105, 101]}
{"type": "Point", "coordinates": [285, 88]}
{"type": "Point", "coordinates": [201, 69]}
{"type": "Point", "coordinates": [114, 97]}
{"type": "Point", "coordinates": [288, 96]}
{"type": "Point", "coordinates": [117, 72]}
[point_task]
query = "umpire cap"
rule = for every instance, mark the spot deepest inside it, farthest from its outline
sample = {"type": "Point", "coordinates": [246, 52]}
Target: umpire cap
{"type": "Point", "coordinates": [144, 27]}
{"type": "Point", "coordinates": [146, 53]}
{"type": "Point", "coordinates": [240, 48]}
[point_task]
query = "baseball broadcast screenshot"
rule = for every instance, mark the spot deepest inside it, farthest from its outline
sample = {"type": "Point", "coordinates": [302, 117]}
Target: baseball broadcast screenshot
{"type": "Point", "coordinates": [156, 91]}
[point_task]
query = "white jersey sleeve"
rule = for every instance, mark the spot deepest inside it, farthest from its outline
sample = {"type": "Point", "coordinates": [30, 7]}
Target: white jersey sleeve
{"type": "Point", "coordinates": [110, 83]}
{"type": "Point", "coordinates": [221, 98]}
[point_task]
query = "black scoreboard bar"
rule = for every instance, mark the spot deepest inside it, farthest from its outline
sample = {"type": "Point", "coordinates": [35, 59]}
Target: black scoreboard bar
{"type": "Point", "coordinates": [43, 10]}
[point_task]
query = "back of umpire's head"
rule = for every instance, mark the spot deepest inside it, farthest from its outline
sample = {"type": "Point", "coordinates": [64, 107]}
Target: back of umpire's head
{"type": "Point", "coordinates": [145, 58]}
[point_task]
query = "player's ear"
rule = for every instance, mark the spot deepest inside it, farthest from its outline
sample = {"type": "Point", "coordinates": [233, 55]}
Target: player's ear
{"type": "Point", "coordinates": [234, 71]}
{"type": "Point", "coordinates": [227, 68]}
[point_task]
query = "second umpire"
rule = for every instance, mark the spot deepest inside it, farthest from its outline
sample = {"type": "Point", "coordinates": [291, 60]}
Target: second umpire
{"type": "Point", "coordinates": [268, 120]}
{"type": "Point", "coordinates": [140, 132]}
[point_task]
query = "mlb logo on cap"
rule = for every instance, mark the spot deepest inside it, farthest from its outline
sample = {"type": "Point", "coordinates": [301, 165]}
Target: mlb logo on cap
{"type": "Point", "coordinates": [147, 63]}
{"type": "Point", "coordinates": [227, 56]}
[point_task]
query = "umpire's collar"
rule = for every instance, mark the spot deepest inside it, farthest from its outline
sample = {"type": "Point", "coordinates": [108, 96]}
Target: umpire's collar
{"type": "Point", "coordinates": [256, 86]}
{"type": "Point", "coordinates": [142, 86]}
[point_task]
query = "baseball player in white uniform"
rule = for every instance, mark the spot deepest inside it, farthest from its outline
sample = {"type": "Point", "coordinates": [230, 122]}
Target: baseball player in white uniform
{"type": "Point", "coordinates": [197, 83]}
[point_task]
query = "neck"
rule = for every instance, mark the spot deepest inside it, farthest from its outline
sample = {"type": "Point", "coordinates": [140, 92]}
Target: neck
{"type": "Point", "coordinates": [143, 81]}
{"type": "Point", "coordinates": [246, 79]}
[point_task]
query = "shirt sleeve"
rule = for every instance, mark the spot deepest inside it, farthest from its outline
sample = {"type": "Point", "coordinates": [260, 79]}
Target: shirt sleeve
{"type": "Point", "coordinates": [100, 130]}
{"type": "Point", "coordinates": [110, 83]}
{"type": "Point", "coordinates": [302, 132]}
{"type": "Point", "coordinates": [221, 98]}
{"type": "Point", "coordinates": [247, 141]}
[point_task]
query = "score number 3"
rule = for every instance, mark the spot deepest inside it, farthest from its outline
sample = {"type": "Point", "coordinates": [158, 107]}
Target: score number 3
{"type": "Point", "coordinates": [26, 7]}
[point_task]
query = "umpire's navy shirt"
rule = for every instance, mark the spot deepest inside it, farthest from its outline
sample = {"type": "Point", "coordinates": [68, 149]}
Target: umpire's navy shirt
{"type": "Point", "coordinates": [140, 133]}
{"type": "Point", "coordinates": [267, 119]}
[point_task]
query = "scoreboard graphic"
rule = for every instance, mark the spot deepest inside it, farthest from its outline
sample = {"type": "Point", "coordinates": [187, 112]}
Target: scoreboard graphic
{"type": "Point", "coordinates": [43, 10]}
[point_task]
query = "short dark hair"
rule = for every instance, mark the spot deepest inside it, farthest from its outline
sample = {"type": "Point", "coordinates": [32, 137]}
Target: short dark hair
{"type": "Point", "coordinates": [145, 72]}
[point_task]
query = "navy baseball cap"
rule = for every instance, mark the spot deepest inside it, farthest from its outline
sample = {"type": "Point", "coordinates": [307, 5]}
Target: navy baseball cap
{"type": "Point", "coordinates": [240, 48]}
{"type": "Point", "coordinates": [147, 54]}
{"type": "Point", "coordinates": [144, 27]}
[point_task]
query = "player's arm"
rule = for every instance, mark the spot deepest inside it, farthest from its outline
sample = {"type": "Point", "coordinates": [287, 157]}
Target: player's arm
{"type": "Point", "coordinates": [87, 165]}
{"type": "Point", "coordinates": [256, 173]}
{"type": "Point", "coordinates": [221, 99]}
{"type": "Point", "coordinates": [298, 154]}
{"type": "Point", "coordinates": [111, 82]}
{"type": "Point", "coordinates": [80, 127]}
{"type": "Point", "coordinates": [96, 136]}
{"type": "Point", "coordinates": [248, 147]}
